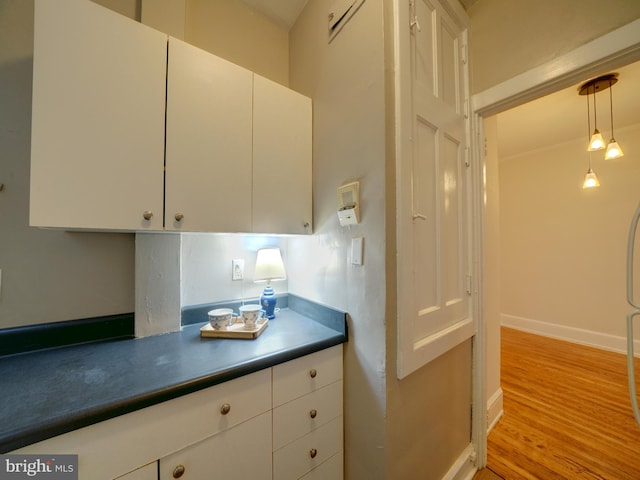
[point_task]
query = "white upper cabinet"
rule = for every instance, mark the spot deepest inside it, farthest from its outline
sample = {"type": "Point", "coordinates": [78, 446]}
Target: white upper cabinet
{"type": "Point", "coordinates": [208, 150]}
{"type": "Point", "coordinates": [282, 152]}
{"type": "Point", "coordinates": [97, 143]}
{"type": "Point", "coordinates": [237, 152]}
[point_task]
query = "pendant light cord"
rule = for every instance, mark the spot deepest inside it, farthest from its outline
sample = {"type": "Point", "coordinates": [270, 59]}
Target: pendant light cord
{"type": "Point", "coordinates": [595, 113]}
{"type": "Point", "coordinates": [611, 104]}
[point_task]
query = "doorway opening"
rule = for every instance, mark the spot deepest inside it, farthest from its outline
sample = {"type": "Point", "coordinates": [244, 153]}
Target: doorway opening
{"type": "Point", "coordinates": [610, 53]}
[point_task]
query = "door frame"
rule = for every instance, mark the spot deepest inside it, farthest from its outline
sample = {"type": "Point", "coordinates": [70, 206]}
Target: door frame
{"type": "Point", "coordinates": [612, 50]}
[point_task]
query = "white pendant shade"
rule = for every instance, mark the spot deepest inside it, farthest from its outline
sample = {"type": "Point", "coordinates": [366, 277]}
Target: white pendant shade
{"type": "Point", "coordinates": [613, 150]}
{"type": "Point", "coordinates": [596, 142]}
{"type": "Point", "coordinates": [590, 180]}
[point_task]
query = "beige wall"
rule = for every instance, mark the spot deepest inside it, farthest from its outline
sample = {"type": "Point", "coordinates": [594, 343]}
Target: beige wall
{"type": "Point", "coordinates": [128, 8]}
{"type": "Point", "coordinates": [346, 81]}
{"type": "Point", "coordinates": [510, 37]}
{"type": "Point", "coordinates": [564, 248]}
{"type": "Point", "coordinates": [233, 31]}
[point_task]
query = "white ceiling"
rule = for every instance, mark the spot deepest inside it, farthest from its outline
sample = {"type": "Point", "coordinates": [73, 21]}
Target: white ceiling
{"type": "Point", "coordinates": [282, 12]}
{"type": "Point", "coordinates": [562, 116]}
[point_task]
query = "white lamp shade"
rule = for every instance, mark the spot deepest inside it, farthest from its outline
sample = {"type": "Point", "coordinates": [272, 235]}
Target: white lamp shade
{"type": "Point", "coordinates": [596, 142]}
{"type": "Point", "coordinates": [269, 265]}
{"type": "Point", "coordinates": [613, 150]}
{"type": "Point", "coordinates": [590, 180]}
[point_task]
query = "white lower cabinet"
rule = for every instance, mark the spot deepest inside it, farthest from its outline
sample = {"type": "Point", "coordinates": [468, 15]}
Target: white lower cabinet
{"type": "Point", "coordinates": [284, 422]}
{"type": "Point", "coordinates": [332, 469]}
{"type": "Point", "coordinates": [148, 472]}
{"type": "Point", "coordinates": [308, 417]}
{"type": "Point", "coordinates": [240, 453]}
{"type": "Point", "coordinates": [296, 459]}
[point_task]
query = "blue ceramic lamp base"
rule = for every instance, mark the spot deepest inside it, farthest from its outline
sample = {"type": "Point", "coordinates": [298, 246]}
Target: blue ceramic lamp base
{"type": "Point", "coordinates": [268, 301]}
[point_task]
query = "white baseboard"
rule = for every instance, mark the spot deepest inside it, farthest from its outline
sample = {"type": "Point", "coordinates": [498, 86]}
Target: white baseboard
{"type": "Point", "coordinates": [494, 409]}
{"type": "Point", "coordinates": [581, 336]}
{"type": "Point", "coordinates": [464, 467]}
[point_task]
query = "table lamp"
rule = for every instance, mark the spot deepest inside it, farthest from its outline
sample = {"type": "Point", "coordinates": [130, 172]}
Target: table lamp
{"type": "Point", "coordinates": [269, 266]}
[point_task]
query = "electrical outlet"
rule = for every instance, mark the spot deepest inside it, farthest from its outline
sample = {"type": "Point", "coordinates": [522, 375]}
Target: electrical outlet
{"type": "Point", "coordinates": [237, 269]}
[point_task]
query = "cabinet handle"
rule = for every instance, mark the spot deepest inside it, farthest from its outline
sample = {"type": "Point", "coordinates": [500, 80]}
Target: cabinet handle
{"type": "Point", "coordinates": [178, 471]}
{"type": "Point", "coordinates": [179, 217]}
{"type": "Point", "coordinates": [313, 452]}
{"type": "Point", "coordinates": [313, 373]}
{"type": "Point", "coordinates": [147, 215]}
{"type": "Point", "coordinates": [313, 413]}
{"type": "Point", "coordinates": [225, 408]}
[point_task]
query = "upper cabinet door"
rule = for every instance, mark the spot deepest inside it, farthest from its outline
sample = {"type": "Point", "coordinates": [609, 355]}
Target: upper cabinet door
{"type": "Point", "coordinates": [282, 153]}
{"type": "Point", "coordinates": [208, 151]}
{"type": "Point", "coordinates": [98, 119]}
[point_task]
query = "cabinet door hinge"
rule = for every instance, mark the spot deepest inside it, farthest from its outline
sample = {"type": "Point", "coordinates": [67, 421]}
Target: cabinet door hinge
{"type": "Point", "coordinates": [467, 153]}
{"type": "Point", "coordinates": [469, 285]}
{"type": "Point", "coordinates": [464, 54]}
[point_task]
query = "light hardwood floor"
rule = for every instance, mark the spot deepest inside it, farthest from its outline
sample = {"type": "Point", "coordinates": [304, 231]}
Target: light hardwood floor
{"type": "Point", "coordinates": [567, 413]}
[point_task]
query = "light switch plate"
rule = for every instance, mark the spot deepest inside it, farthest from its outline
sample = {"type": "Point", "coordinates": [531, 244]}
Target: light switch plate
{"type": "Point", "coordinates": [357, 247]}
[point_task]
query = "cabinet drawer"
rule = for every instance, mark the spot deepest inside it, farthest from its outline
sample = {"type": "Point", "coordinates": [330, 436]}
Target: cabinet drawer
{"type": "Point", "coordinates": [307, 453]}
{"type": "Point", "coordinates": [233, 402]}
{"type": "Point", "coordinates": [148, 472]}
{"type": "Point", "coordinates": [302, 415]}
{"type": "Point", "coordinates": [242, 452]}
{"type": "Point", "coordinates": [306, 374]}
{"type": "Point", "coordinates": [332, 468]}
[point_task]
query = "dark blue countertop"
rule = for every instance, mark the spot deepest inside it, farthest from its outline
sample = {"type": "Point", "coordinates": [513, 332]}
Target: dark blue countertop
{"type": "Point", "coordinates": [50, 392]}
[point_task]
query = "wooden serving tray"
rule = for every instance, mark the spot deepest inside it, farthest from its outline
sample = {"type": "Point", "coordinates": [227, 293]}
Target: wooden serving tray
{"type": "Point", "coordinates": [237, 330]}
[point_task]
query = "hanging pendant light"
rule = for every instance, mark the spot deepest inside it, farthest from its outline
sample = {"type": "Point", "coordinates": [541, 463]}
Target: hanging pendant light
{"type": "Point", "coordinates": [596, 142]}
{"type": "Point", "coordinates": [594, 86]}
{"type": "Point", "coordinates": [613, 149]}
{"type": "Point", "coordinates": [590, 180]}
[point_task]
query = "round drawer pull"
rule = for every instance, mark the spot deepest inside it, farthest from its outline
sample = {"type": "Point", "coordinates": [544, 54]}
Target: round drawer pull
{"type": "Point", "coordinates": [179, 217]}
{"type": "Point", "coordinates": [147, 215]}
{"type": "Point", "coordinates": [313, 373]}
{"type": "Point", "coordinates": [178, 471]}
{"type": "Point", "coordinates": [313, 452]}
{"type": "Point", "coordinates": [313, 413]}
{"type": "Point", "coordinates": [225, 408]}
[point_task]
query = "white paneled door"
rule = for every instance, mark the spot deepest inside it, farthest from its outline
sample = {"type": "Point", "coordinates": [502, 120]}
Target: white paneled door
{"type": "Point", "coordinates": [434, 276]}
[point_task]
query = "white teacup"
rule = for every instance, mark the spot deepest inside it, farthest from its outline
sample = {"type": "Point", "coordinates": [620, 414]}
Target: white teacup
{"type": "Point", "coordinates": [221, 318]}
{"type": "Point", "coordinates": [251, 314]}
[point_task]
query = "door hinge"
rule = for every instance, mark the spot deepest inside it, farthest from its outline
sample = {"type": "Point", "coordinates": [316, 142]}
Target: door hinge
{"type": "Point", "coordinates": [466, 108]}
{"type": "Point", "coordinates": [469, 284]}
{"type": "Point", "coordinates": [467, 161]}
{"type": "Point", "coordinates": [464, 54]}
{"type": "Point", "coordinates": [414, 24]}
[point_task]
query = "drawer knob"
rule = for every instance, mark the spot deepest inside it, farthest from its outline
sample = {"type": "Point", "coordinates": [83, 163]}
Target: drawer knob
{"type": "Point", "coordinates": [178, 471]}
{"type": "Point", "coordinates": [313, 413]}
{"type": "Point", "coordinates": [225, 408]}
{"type": "Point", "coordinates": [147, 215]}
{"type": "Point", "coordinates": [179, 217]}
{"type": "Point", "coordinates": [313, 373]}
{"type": "Point", "coordinates": [313, 452]}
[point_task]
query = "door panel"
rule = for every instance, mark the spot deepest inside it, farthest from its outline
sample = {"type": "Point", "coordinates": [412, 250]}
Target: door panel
{"type": "Point", "coordinates": [433, 238]}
